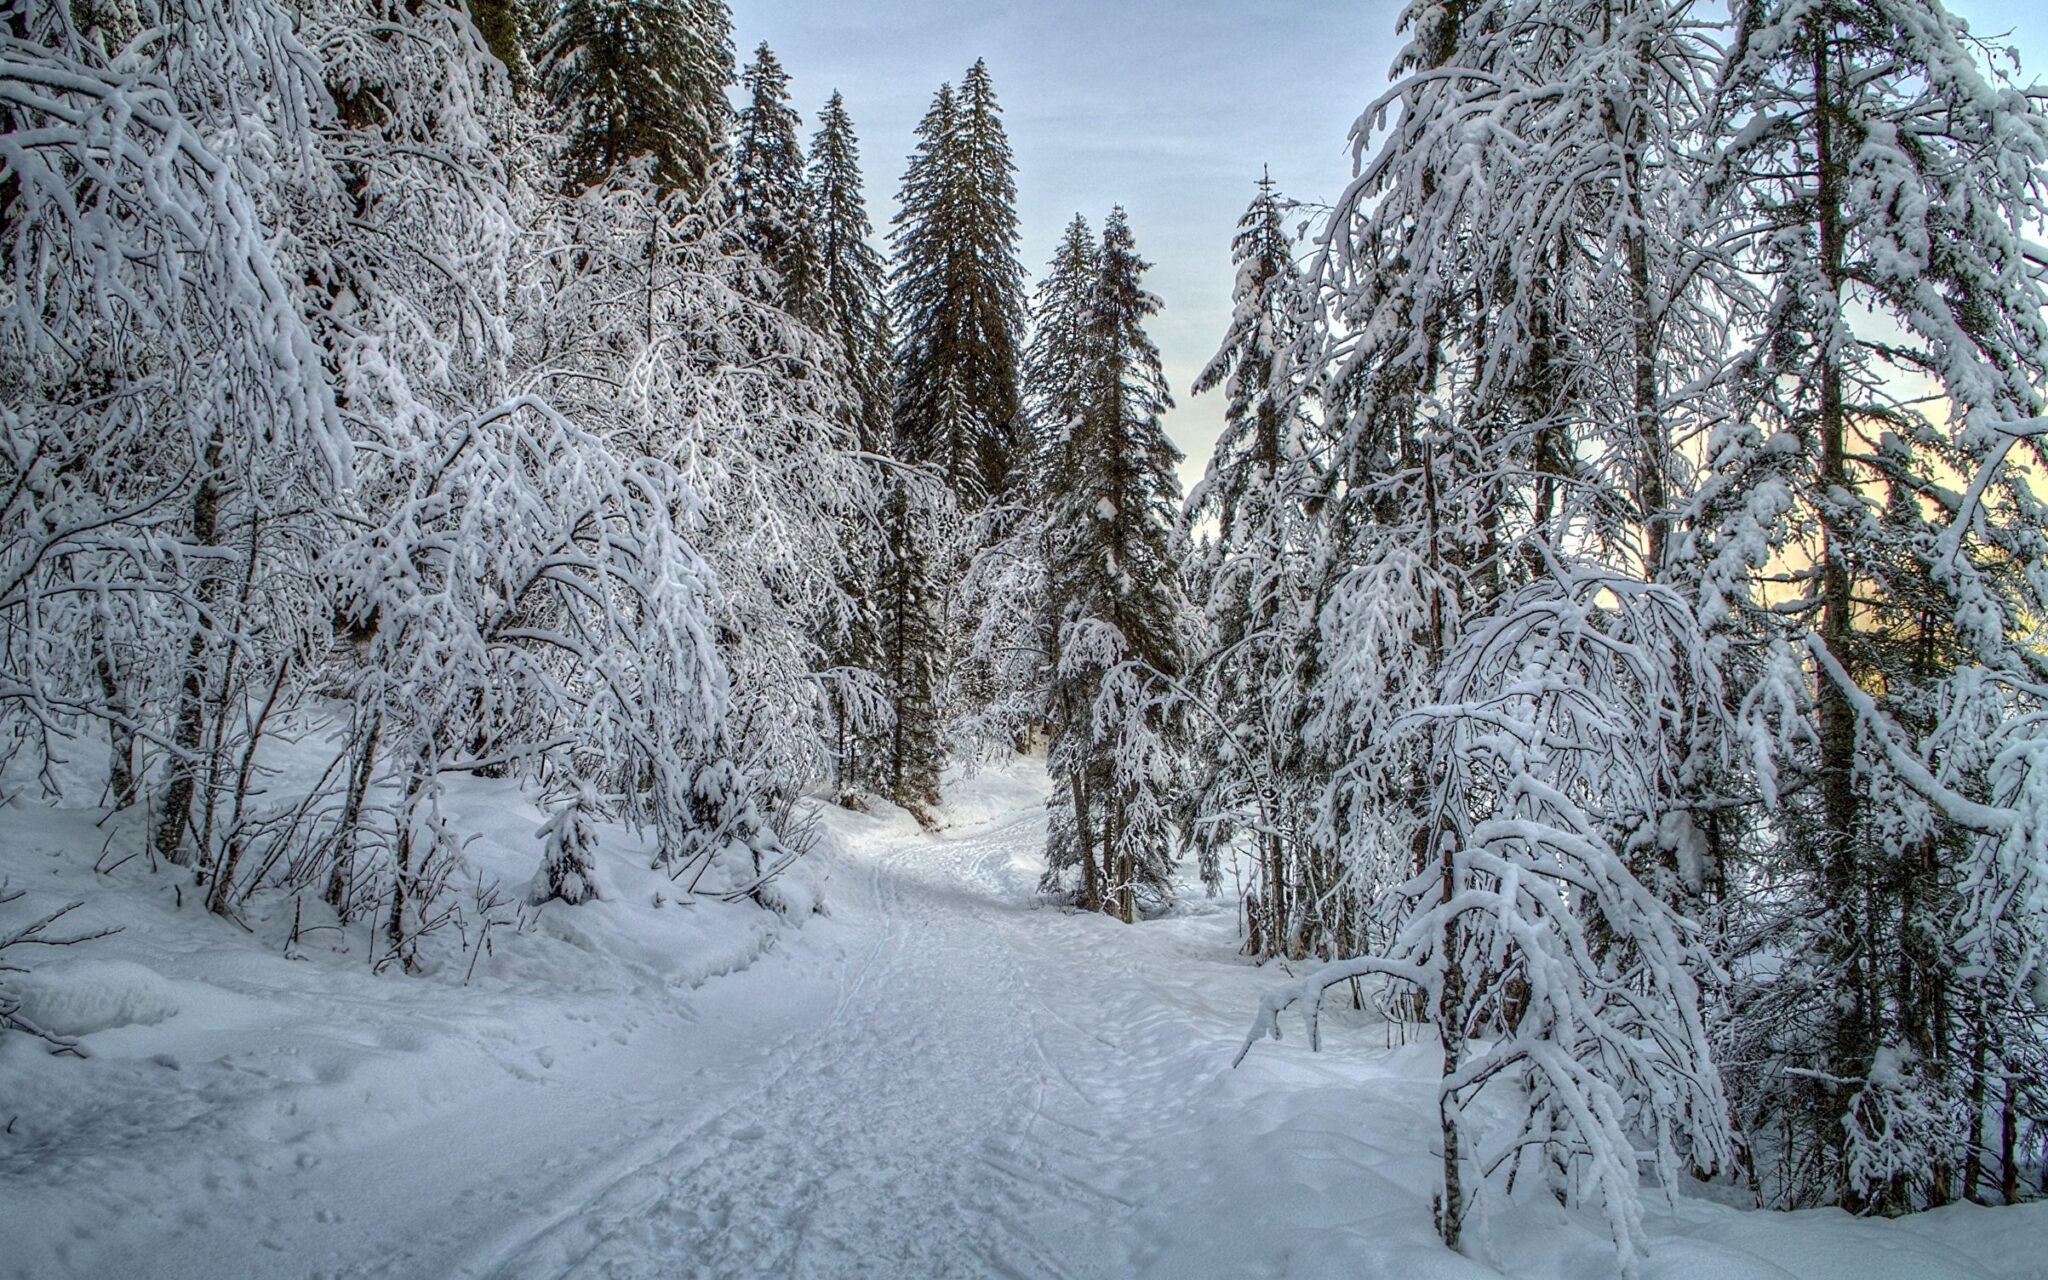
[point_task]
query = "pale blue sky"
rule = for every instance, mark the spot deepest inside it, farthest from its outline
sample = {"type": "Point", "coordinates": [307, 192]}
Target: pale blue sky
{"type": "Point", "coordinates": [1167, 108]}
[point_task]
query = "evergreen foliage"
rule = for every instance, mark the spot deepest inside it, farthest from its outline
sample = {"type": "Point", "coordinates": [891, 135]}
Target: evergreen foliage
{"type": "Point", "coordinates": [767, 190]}
{"type": "Point", "coordinates": [1114, 604]}
{"type": "Point", "coordinates": [1617, 590]}
{"type": "Point", "coordinates": [1263, 489]}
{"type": "Point", "coordinates": [958, 295]}
{"type": "Point", "coordinates": [852, 278]}
{"type": "Point", "coordinates": [1884, 170]}
{"type": "Point", "coordinates": [640, 78]}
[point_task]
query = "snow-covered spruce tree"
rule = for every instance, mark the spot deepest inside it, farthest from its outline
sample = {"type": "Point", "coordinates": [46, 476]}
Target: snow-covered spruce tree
{"type": "Point", "coordinates": [1882, 171]}
{"type": "Point", "coordinates": [1007, 588]}
{"type": "Point", "coordinates": [639, 78]}
{"type": "Point", "coordinates": [1263, 491]}
{"type": "Point", "coordinates": [852, 279]}
{"type": "Point", "coordinates": [1027, 623]}
{"type": "Point", "coordinates": [958, 295]}
{"type": "Point", "coordinates": [170, 430]}
{"type": "Point", "coordinates": [854, 310]}
{"type": "Point", "coordinates": [957, 304]}
{"type": "Point", "coordinates": [1116, 603]}
{"type": "Point", "coordinates": [766, 187]}
{"type": "Point", "coordinates": [1525, 924]}
{"type": "Point", "coordinates": [914, 571]}
{"type": "Point", "coordinates": [568, 861]}
{"type": "Point", "coordinates": [1516, 324]}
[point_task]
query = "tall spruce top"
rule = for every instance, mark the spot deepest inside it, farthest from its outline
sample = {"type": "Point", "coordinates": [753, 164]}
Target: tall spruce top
{"type": "Point", "coordinates": [767, 186]}
{"type": "Point", "coordinates": [851, 276]}
{"type": "Point", "coordinates": [959, 294]}
{"type": "Point", "coordinates": [640, 79]}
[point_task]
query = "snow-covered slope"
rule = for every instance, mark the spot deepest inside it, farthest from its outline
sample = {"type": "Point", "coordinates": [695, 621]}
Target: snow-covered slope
{"type": "Point", "coordinates": [942, 1077]}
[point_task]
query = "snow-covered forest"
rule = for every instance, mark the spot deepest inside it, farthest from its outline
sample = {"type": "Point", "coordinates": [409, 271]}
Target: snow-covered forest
{"type": "Point", "coordinates": [583, 692]}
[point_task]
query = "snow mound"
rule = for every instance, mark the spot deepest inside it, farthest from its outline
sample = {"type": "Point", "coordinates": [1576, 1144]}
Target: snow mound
{"type": "Point", "coordinates": [79, 997]}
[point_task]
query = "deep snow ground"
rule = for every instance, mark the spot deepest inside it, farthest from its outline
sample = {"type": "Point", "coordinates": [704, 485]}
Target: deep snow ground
{"type": "Point", "coordinates": [941, 1078]}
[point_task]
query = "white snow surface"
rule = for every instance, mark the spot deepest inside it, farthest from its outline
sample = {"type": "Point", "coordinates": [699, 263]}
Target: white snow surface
{"type": "Point", "coordinates": [79, 997]}
{"type": "Point", "coordinates": [941, 1077]}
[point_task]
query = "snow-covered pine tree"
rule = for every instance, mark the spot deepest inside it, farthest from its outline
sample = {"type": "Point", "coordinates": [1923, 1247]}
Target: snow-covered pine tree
{"type": "Point", "coordinates": [1882, 170]}
{"type": "Point", "coordinates": [568, 860]}
{"type": "Point", "coordinates": [1058, 359]}
{"type": "Point", "coordinates": [958, 295]}
{"type": "Point", "coordinates": [852, 278]}
{"type": "Point", "coordinates": [852, 289]}
{"type": "Point", "coordinates": [1502, 404]}
{"type": "Point", "coordinates": [957, 303]}
{"type": "Point", "coordinates": [1011, 649]}
{"type": "Point", "coordinates": [1114, 499]}
{"type": "Point", "coordinates": [637, 78]}
{"type": "Point", "coordinates": [1019, 626]}
{"type": "Point", "coordinates": [1264, 492]}
{"type": "Point", "coordinates": [766, 187]}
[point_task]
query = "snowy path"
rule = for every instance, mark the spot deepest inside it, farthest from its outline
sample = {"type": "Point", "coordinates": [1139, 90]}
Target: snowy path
{"type": "Point", "coordinates": [966, 1108]}
{"type": "Point", "coordinates": [942, 1079]}
{"type": "Point", "coordinates": [901, 1137]}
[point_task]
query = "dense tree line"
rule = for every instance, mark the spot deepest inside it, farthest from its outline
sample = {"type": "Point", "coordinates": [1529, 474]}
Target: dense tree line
{"type": "Point", "coordinates": [454, 379]}
{"type": "Point", "coordinates": [1609, 623]}
{"type": "Point", "coordinates": [1623, 595]}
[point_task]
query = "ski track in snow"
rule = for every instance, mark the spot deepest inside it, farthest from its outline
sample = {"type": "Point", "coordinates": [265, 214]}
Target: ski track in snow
{"type": "Point", "coordinates": [872, 1147]}
{"type": "Point", "coordinates": [945, 1078]}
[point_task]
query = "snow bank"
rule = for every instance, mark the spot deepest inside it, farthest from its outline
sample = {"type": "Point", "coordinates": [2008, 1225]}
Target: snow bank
{"type": "Point", "coordinates": [79, 997]}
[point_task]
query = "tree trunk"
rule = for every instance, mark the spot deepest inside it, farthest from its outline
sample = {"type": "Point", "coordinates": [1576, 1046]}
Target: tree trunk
{"type": "Point", "coordinates": [120, 738]}
{"type": "Point", "coordinates": [191, 720]}
{"type": "Point", "coordinates": [2008, 1144]}
{"type": "Point", "coordinates": [1450, 1019]}
{"type": "Point", "coordinates": [1091, 887]}
{"type": "Point", "coordinates": [402, 942]}
{"type": "Point", "coordinates": [1980, 1102]}
{"type": "Point", "coordinates": [1851, 1040]}
{"type": "Point", "coordinates": [351, 817]}
{"type": "Point", "coordinates": [1126, 866]}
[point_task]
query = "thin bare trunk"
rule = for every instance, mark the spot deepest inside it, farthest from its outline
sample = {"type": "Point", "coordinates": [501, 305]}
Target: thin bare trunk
{"type": "Point", "coordinates": [191, 720]}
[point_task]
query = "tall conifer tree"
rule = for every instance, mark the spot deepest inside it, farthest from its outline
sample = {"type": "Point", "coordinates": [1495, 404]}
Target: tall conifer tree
{"type": "Point", "coordinates": [640, 78]}
{"type": "Point", "coordinates": [1114, 501]}
{"type": "Point", "coordinates": [1883, 170]}
{"type": "Point", "coordinates": [852, 279]}
{"type": "Point", "coordinates": [767, 191]}
{"type": "Point", "coordinates": [1261, 489]}
{"type": "Point", "coordinates": [959, 294]}
{"type": "Point", "coordinates": [852, 306]}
